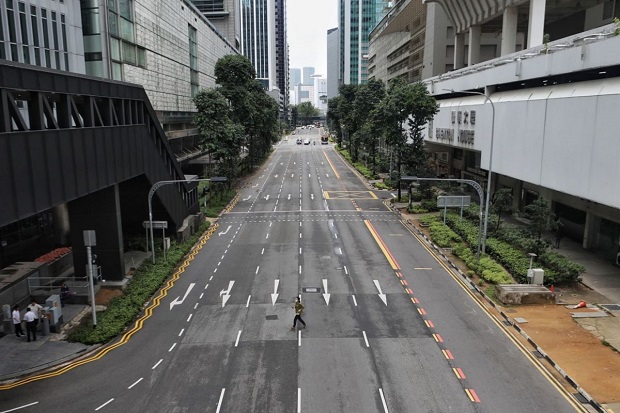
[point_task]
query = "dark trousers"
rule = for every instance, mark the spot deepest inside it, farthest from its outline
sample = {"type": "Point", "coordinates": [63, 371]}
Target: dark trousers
{"type": "Point", "coordinates": [18, 330]}
{"type": "Point", "coordinates": [31, 327]}
{"type": "Point", "coordinates": [298, 317]}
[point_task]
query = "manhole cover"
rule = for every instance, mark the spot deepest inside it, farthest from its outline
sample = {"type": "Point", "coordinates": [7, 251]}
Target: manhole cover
{"type": "Point", "coordinates": [611, 307]}
{"type": "Point", "coordinates": [271, 317]}
{"type": "Point", "coordinates": [311, 289]}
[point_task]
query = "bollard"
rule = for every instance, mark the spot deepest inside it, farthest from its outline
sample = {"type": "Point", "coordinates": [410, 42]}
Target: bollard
{"type": "Point", "coordinates": [45, 325]}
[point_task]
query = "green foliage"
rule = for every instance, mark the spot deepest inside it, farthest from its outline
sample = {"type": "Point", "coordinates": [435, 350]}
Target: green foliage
{"type": "Point", "coordinates": [124, 309]}
{"type": "Point", "coordinates": [560, 269]}
{"type": "Point", "coordinates": [501, 202]}
{"type": "Point", "coordinates": [427, 219]}
{"type": "Point", "coordinates": [380, 185]}
{"type": "Point", "coordinates": [430, 205]}
{"type": "Point", "coordinates": [442, 235]}
{"type": "Point", "coordinates": [418, 209]}
{"type": "Point", "coordinates": [541, 219]}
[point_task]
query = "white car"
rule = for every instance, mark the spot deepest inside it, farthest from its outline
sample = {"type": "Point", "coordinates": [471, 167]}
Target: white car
{"type": "Point", "coordinates": [306, 141]}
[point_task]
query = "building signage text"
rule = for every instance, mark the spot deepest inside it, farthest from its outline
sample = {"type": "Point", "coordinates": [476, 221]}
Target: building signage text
{"type": "Point", "coordinates": [444, 134]}
{"type": "Point", "coordinates": [466, 137]}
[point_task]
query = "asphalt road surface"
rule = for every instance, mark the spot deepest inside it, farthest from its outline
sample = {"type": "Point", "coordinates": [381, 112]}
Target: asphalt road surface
{"type": "Point", "coordinates": [389, 329]}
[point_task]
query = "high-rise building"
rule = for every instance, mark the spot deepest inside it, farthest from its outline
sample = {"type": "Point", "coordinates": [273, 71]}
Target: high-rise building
{"type": "Point", "coordinates": [224, 14]}
{"type": "Point", "coordinates": [320, 93]}
{"type": "Point", "coordinates": [333, 62]}
{"type": "Point", "coordinates": [357, 18]}
{"type": "Point", "coordinates": [263, 42]}
{"type": "Point", "coordinates": [307, 72]}
{"type": "Point", "coordinates": [295, 76]}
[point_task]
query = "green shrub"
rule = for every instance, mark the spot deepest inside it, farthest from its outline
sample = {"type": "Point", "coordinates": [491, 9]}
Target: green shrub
{"type": "Point", "coordinates": [430, 205]}
{"type": "Point", "coordinates": [416, 196]}
{"type": "Point", "coordinates": [123, 310]}
{"type": "Point", "coordinates": [418, 209]}
{"type": "Point", "coordinates": [427, 219]}
{"type": "Point", "coordinates": [442, 235]}
{"type": "Point", "coordinates": [380, 185]}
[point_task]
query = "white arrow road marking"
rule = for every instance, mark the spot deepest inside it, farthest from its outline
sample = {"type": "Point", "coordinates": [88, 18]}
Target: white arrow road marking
{"type": "Point", "coordinates": [248, 198]}
{"type": "Point", "coordinates": [288, 197]}
{"type": "Point", "coordinates": [267, 198]}
{"type": "Point", "coordinates": [254, 186]}
{"type": "Point", "coordinates": [311, 196]}
{"type": "Point", "coordinates": [274, 296]}
{"type": "Point", "coordinates": [326, 295]}
{"type": "Point", "coordinates": [382, 296]}
{"type": "Point", "coordinates": [275, 176]}
{"type": "Point", "coordinates": [225, 294]}
{"type": "Point", "coordinates": [176, 301]}
{"type": "Point", "coordinates": [223, 232]}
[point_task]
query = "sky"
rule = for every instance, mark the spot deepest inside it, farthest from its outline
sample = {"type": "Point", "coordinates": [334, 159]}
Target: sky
{"type": "Point", "coordinates": [307, 25]}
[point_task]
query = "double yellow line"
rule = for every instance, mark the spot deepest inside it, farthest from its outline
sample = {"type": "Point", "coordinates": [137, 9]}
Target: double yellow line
{"type": "Point", "coordinates": [148, 312]}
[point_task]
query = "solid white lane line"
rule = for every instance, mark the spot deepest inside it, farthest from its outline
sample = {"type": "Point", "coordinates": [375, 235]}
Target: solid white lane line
{"type": "Point", "coordinates": [257, 268]}
{"type": "Point", "coordinates": [181, 332]}
{"type": "Point", "coordinates": [345, 270]}
{"type": "Point", "coordinates": [104, 404]}
{"type": "Point", "coordinates": [195, 306]}
{"type": "Point", "coordinates": [365, 339]}
{"type": "Point", "coordinates": [219, 404]}
{"type": "Point", "coordinates": [20, 407]}
{"type": "Point", "coordinates": [136, 382]}
{"type": "Point", "coordinates": [354, 300]}
{"type": "Point", "coordinates": [248, 303]}
{"type": "Point", "coordinates": [383, 401]}
{"type": "Point", "coordinates": [172, 348]}
{"type": "Point", "coordinates": [157, 364]}
{"type": "Point", "coordinates": [299, 339]}
{"type": "Point", "coordinates": [238, 336]}
{"type": "Point", "coordinates": [299, 400]}
{"type": "Point", "coordinates": [201, 294]}
{"type": "Point", "coordinates": [189, 318]}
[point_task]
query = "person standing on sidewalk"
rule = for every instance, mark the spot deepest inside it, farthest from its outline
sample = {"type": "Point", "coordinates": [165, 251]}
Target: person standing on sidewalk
{"type": "Point", "coordinates": [31, 326]}
{"type": "Point", "coordinates": [299, 308]}
{"type": "Point", "coordinates": [17, 321]}
{"type": "Point", "coordinates": [37, 310]}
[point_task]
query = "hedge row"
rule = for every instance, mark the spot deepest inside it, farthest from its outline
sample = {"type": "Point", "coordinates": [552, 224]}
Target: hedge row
{"type": "Point", "coordinates": [123, 310]}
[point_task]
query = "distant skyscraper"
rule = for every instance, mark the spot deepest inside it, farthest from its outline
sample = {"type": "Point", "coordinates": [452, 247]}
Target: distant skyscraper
{"type": "Point", "coordinates": [333, 62]}
{"type": "Point", "coordinates": [307, 76]}
{"type": "Point", "coordinates": [357, 18]}
{"type": "Point", "coordinates": [295, 76]}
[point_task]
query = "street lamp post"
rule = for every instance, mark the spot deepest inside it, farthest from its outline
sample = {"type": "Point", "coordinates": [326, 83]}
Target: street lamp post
{"type": "Point", "coordinates": [476, 186]}
{"type": "Point", "coordinates": [488, 195]}
{"type": "Point", "coordinates": [152, 191]}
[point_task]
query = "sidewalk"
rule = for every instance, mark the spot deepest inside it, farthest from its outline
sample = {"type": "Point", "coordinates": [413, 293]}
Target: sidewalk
{"type": "Point", "coordinates": [21, 358]}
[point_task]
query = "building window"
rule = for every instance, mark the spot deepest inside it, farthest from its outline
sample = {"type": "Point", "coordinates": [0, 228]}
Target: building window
{"type": "Point", "coordinates": [193, 60]}
{"type": "Point", "coordinates": [35, 35]}
{"type": "Point", "coordinates": [46, 38]}
{"type": "Point", "coordinates": [10, 16]}
{"type": "Point", "coordinates": [23, 24]}
{"type": "Point", "coordinates": [2, 52]}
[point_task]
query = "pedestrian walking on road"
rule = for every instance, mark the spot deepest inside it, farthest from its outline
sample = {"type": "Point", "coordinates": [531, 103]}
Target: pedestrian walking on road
{"type": "Point", "coordinates": [31, 326]}
{"type": "Point", "coordinates": [299, 308]}
{"type": "Point", "coordinates": [17, 321]}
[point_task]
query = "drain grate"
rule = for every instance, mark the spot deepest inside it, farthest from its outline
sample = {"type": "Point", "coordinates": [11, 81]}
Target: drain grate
{"type": "Point", "coordinates": [506, 323]}
{"type": "Point", "coordinates": [611, 307]}
{"type": "Point", "coordinates": [311, 289]}
{"type": "Point", "coordinates": [580, 398]}
{"type": "Point", "coordinates": [271, 317]}
{"type": "Point", "coordinates": [537, 354]}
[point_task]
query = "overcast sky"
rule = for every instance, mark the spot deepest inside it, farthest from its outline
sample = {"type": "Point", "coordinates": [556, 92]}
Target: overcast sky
{"type": "Point", "coordinates": [307, 25]}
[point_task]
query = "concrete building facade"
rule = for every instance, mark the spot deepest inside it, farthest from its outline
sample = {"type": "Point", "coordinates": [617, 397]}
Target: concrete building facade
{"type": "Point", "coordinates": [547, 126]}
{"type": "Point", "coordinates": [333, 62]}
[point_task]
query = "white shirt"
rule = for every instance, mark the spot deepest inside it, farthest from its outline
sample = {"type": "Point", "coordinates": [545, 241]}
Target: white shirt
{"type": "Point", "coordinates": [16, 317]}
{"type": "Point", "coordinates": [36, 309]}
{"type": "Point", "coordinates": [29, 317]}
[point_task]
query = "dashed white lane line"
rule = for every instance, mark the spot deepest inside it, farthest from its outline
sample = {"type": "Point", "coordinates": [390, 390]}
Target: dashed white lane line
{"type": "Point", "coordinates": [201, 294]}
{"type": "Point", "coordinates": [181, 332]}
{"type": "Point", "coordinates": [20, 407]}
{"type": "Point", "coordinates": [257, 268]}
{"type": "Point", "coordinates": [248, 303]}
{"type": "Point", "coordinates": [346, 271]}
{"type": "Point", "coordinates": [354, 301]}
{"type": "Point", "coordinates": [335, 235]}
{"type": "Point", "coordinates": [207, 285]}
{"type": "Point", "coordinates": [300, 269]}
{"type": "Point", "coordinates": [195, 306]}
{"type": "Point", "coordinates": [157, 364]}
{"type": "Point", "coordinates": [103, 405]}
{"type": "Point", "coordinates": [299, 339]}
{"type": "Point", "coordinates": [299, 250]}
{"type": "Point", "coordinates": [238, 336]}
{"type": "Point", "coordinates": [270, 224]}
{"type": "Point", "coordinates": [365, 339]}
{"type": "Point", "coordinates": [221, 259]}
{"type": "Point", "coordinates": [219, 403]}
{"type": "Point", "coordinates": [299, 400]}
{"type": "Point", "coordinates": [383, 401]}
{"type": "Point", "coordinates": [267, 236]}
{"type": "Point", "coordinates": [215, 270]}
{"type": "Point", "coordinates": [262, 252]}
{"type": "Point", "coordinates": [172, 347]}
{"type": "Point", "coordinates": [189, 318]}
{"type": "Point", "coordinates": [300, 235]}
{"type": "Point", "coordinates": [210, 279]}
{"type": "Point", "coordinates": [136, 382]}
{"type": "Point", "coordinates": [339, 251]}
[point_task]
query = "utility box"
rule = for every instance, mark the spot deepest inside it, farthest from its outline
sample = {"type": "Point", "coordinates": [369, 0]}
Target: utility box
{"type": "Point", "coordinates": [53, 312]}
{"type": "Point", "coordinates": [536, 276]}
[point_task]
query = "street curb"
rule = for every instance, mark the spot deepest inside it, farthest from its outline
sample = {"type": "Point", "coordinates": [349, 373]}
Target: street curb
{"type": "Point", "coordinates": [597, 406]}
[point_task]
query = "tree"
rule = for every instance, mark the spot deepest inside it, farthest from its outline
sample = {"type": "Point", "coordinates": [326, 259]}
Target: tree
{"type": "Point", "coordinates": [368, 96]}
{"type": "Point", "coordinates": [220, 136]}
{"type": "Point", "coordinates": [333, 118]}
{"type": "Point", "coordinates": [541, 219]}
{"type": "Point", "coordinates": [346, 114]}
{"type": "Point", "coordinates": [305, 111]}
{"type": "Point", "coordinates": [501, 202]}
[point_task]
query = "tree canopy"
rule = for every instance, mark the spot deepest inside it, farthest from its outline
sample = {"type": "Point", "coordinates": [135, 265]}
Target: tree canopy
{"type": "Point", "coordinates": [236, 117]}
